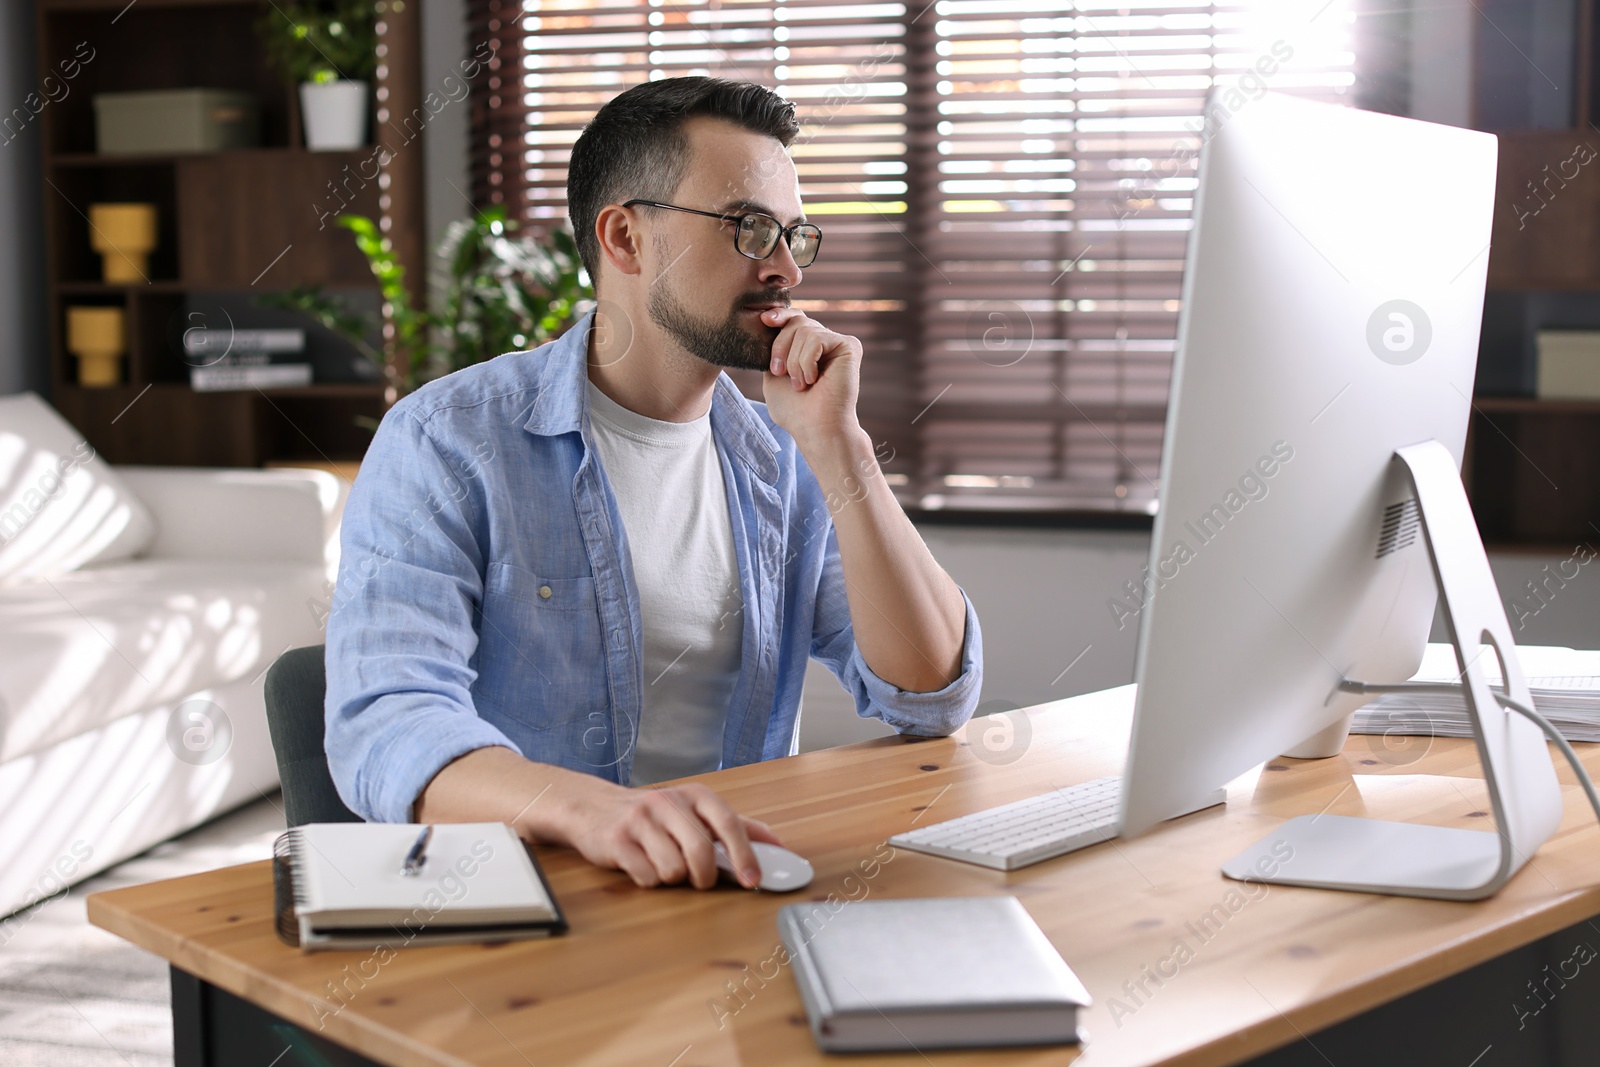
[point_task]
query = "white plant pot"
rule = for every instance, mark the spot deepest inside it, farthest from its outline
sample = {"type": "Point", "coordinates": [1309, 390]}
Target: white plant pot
{"type": "Point", "coordinates": [334, 115]}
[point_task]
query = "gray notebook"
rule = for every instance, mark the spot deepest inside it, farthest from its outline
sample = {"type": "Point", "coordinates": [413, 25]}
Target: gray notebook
{"type": "Point", "coordinates": [956, 972]}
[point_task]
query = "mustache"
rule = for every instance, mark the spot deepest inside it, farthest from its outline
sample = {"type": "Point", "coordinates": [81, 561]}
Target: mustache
{"type": "Point", "coordinates": [764, 296]}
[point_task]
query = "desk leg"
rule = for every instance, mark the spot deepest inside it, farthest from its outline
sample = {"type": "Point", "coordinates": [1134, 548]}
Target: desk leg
{"type": "Point", "coordinates": [188, 1020]}
{"type": "Point", "coordinates": [213, 1028]}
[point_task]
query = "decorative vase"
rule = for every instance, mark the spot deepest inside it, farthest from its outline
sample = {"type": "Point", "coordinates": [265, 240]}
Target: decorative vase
{"type": "Point", "coordinates": [124, 235]}
{"type": "Point", "coordinates": [96, 336]}
{"type": "Point", "coordinates": [334, 114]}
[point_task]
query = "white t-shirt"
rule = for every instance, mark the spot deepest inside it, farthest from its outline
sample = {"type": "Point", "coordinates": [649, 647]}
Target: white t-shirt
{"type": "Point", "coordinates": [668, 484]}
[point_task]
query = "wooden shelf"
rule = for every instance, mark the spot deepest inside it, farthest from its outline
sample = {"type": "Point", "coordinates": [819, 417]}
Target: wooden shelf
{"type": "Point", "coordinates": [168, 423]}
{"type": "Point", "coordinates": [1532, 470]}
{"type": "Point", "coordinates": [326, 390]}
{"type": "Point", "coordinates": [89, 159]}
{"type": "Point", "coordinates": [1532, 466]}
{"type": "Point", "coordinates": [231, 225]}
{"type": "Point", "coordinates": [93, 159]}
{"type": "Point", "coordinates": [167, 286]}
{"type": "Point", "coordinates": [149, 5]}
{"type": "Point", "coordinates": [1537, 246]}
{"type": "Point", "coordinates": [342, 390]}
{"type": "Point", "coordinates": [155, 285]}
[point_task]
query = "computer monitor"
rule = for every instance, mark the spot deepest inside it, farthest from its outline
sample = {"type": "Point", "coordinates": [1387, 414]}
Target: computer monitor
{"type": "Point", "coordinates": [1332, 298]}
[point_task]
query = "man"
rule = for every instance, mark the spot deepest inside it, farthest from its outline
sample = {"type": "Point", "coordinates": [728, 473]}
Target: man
{"type": "Point", "coordinates": [597, 565]}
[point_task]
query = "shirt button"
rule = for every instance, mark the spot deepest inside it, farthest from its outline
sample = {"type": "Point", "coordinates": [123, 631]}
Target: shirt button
{"type": "Point", "coordinates": [545, 591]}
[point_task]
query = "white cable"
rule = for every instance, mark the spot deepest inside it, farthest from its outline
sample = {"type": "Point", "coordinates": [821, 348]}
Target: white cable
{"type": "Point", "coordinates": [1560, 742]}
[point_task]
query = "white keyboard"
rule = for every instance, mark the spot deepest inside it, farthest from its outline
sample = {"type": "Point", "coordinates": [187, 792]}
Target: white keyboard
{"type": "Point", "coordinates": [1027, 831]}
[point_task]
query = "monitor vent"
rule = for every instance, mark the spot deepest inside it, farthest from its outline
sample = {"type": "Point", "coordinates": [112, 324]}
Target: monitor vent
{"type": "Point", "coordinates": [1401, 522]}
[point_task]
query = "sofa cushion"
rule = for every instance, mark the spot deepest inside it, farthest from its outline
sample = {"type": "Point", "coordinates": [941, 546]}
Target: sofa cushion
{"type": "Point", "coordinates": [82, 649]}
{"type": "Point", "coordinates": [61, 506]}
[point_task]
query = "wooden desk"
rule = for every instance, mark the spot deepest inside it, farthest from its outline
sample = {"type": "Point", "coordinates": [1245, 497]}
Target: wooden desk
{"type": "Point", "coordinates": [674, 977]}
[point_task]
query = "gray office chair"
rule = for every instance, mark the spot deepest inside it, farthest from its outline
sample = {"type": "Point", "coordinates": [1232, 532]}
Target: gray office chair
{"type": "Point", "coordinates": [295, 687]}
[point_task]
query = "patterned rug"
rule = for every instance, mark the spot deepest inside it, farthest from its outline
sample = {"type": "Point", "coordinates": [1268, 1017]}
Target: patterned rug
{"type": "Point", "coordinates": [72, 995]}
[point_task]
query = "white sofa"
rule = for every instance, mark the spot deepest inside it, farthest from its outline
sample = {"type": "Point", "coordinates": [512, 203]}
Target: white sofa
{"type": "Point", "coordinates": [139, 610]}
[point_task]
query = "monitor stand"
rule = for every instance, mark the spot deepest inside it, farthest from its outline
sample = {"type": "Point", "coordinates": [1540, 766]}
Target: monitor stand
{"type": "Point", "coordinates": [1405, 859]}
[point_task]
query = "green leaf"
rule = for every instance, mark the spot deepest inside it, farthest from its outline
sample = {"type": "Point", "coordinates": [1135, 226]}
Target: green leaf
{"type": "Point", "coordinates": [497, 293]}
{"type": "Point", "coordinates": [320, 40]}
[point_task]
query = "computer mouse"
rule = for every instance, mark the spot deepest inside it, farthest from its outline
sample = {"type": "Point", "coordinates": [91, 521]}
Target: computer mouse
{"type": "Point", "coordinates": [781, 870]}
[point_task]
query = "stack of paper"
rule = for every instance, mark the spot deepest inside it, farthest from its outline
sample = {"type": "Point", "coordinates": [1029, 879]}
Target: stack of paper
{"type": "Point", "coordinates": [1565, 686]}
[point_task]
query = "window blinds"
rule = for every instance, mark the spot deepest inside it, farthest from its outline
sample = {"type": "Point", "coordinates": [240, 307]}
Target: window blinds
{"type": "Point", "coordinates": [1005, 189]}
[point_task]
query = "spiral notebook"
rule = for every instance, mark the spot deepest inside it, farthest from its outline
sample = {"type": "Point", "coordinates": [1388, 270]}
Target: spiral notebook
{"type": "Point", "coordinates": [339, 885]}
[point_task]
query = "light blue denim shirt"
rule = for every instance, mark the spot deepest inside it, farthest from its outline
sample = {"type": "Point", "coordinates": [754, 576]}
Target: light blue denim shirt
{"type": "Point", "coordinates": [486, 592]}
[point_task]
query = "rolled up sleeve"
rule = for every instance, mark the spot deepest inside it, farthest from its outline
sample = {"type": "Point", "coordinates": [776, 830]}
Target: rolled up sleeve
{"type": "Point", "coordinates": [934, 714]}
{"type": "Point", "coordinates": [401, 633]}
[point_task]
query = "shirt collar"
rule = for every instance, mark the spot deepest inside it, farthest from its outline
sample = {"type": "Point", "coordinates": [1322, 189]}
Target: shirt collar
{"type": "Point", "coordinates": [561, 405]}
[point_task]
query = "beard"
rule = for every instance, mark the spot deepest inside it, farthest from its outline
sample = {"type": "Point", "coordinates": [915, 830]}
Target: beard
{"type": "Point", "coordinates": [731, 342]}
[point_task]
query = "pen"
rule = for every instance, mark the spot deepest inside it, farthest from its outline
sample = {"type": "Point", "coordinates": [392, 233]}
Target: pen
{"type": "Point", "coordinates": [418, 854]}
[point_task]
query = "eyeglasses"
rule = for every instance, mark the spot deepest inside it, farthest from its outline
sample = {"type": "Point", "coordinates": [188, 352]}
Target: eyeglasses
{"type": "Point", "coordinates": [756, 235]}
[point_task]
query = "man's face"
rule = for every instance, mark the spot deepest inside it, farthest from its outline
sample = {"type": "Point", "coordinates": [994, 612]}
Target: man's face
{"type": "Point", "coordinates": [704, 292]}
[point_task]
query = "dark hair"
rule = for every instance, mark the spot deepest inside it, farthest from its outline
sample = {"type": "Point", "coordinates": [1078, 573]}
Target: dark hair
{"type": "Point", "coordinates": [635, 147]}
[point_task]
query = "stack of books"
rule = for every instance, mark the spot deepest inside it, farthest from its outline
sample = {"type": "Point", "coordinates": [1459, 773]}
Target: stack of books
{"type": "Point", "coordinates": [1565, 685]}
{"type": "Point", "coordinates": [221, 360]}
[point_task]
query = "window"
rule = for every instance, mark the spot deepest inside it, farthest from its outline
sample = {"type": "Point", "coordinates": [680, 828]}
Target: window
{"type": "Point", "coordinates": [1005, 188]}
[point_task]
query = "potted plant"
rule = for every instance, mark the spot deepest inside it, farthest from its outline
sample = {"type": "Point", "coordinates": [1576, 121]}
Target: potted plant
{"type": "Point", "coordinates": [327, 48]}
{"type": "Point", "coordinates": [496, 293]}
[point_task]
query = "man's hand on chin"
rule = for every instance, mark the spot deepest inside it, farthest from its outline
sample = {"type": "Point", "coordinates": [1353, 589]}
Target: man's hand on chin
{"type": "Point", "coordinates": [812, 383]}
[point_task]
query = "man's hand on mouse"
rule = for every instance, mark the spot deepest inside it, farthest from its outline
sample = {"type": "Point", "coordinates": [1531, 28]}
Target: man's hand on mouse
{"type": "Point", "coordinates": [664, 836]}
{"type": "Point", "coordinates": [813, 378]}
